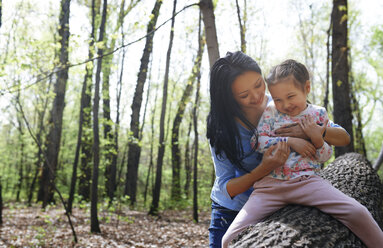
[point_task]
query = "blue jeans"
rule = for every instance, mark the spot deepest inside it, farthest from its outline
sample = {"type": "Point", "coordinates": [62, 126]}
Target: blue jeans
{"type": "Point", "coordinates": [221, 218]}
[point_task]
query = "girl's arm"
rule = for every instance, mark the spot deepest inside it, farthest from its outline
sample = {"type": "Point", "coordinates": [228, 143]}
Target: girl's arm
{"type": "Point", "coordinates": [269, 162]}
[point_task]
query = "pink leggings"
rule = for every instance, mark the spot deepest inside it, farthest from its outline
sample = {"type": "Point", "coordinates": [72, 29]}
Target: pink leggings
{"type": "Point", "coordinates": [271, 194]}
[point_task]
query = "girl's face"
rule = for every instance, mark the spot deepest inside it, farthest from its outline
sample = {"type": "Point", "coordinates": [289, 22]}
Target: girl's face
{"type": "Point", "coordinates": [288, 97]}
{"type": "Point", "coordinates": [249, 91]}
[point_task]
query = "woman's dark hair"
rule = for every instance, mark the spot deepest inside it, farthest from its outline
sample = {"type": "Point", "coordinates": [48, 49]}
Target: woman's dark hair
{"type": "Point", "coordinates": [286, 69]}
{"type": "Point", "coordinates": [222, 130]}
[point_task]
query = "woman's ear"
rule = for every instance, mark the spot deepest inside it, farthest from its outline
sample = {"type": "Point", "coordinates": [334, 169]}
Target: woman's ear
{"type": "Point", "coordinates": [307, 87]}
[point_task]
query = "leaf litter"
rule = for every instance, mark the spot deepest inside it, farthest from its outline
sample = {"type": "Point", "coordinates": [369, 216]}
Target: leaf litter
{"type": "Point", "coordinates": [34, 227]}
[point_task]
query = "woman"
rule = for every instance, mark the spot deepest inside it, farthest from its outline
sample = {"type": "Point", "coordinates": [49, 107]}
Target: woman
{"type": "Point", "coordinates": [238, 99]}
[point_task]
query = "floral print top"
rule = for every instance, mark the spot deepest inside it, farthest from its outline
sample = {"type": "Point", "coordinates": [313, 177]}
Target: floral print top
{"type": "Point", "coordinates": [295, 165]}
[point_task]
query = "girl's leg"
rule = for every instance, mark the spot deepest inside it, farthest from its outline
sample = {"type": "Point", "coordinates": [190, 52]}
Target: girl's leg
{"type": "Point", "coordinates": [317, 192]}
{"type": "Point", "coordinates": [262, 202]}
{"type": "Point", "coordinates": [221, 218]}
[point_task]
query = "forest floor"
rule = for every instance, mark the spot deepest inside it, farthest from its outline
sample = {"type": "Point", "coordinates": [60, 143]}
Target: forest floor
{"type": "Point", "coordinates": [33, 227]}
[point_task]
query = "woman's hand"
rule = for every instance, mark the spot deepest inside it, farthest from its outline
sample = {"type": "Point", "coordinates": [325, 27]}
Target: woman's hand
{"type": "Point", "coordinates": [275, 156]}
{"type": "Point", "coordinates": [303, 147]}
{"type": "Point", "coordinates": [292, 130]}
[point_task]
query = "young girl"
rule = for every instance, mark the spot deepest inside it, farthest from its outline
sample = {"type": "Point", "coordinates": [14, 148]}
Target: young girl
{"type": "Point", "coordinates": [297, 182]}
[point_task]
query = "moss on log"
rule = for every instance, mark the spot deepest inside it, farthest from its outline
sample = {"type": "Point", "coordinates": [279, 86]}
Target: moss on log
{"type": "Point", "coordinates": [301, 226]}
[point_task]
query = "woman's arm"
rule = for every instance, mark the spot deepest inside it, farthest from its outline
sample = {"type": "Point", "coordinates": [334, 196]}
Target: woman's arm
{"type": "Point", "coordinates": [336, 136]}
{"type": "Point", "coordinates": [269, 162]}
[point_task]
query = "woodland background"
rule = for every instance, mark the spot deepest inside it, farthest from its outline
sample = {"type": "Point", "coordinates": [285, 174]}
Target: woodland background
{"type": "Point", "coordinates": [103, 103]}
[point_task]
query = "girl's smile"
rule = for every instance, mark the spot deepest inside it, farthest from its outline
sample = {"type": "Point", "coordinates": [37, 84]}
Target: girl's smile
{"type": "Point", "coordinates": [288, 97]}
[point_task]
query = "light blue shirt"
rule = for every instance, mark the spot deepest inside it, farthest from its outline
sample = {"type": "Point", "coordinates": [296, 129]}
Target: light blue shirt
{"type": "Point", "coordinates": [225, 170]}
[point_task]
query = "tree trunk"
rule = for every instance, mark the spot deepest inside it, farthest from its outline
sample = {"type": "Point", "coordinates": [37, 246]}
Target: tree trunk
{"type": "Point", "coordinates": [196, 135]}
{"type": "Point", "coordinates": [94, 225]}
{"type": "Point", "coordinates": [360, 146]}
{"type": "Point", "coordinates": [242, 24]}
{"type": "Point", "coordinates": [339, 66]}
{"type": "Point", "coordinates": [328, 61]}
{"type": "Point", "coordinates": [299, 226]}
{"type": "Point", "coordinates": [87, 136]}
{"type": "Point", "coordinates": [22, 145]}
{"type": "Point", "coordinates": [379, 160]}
{"type": "Point", "coordinates": [1, 198]}
{"type": "Point", "coordinates": [1, 12]}
{"type": "Point", "coordinates": [56, 115]}
{"type": "Point", "coordinates": [176, 152]}
{"type": "Point", "coordinates": [151, 156]}
{"type": "Point", "coordinates": [111, 147]}
{"type": "Point", "coordinates": [161, 148]}
{"type": "Point", "coordinates": [134, 147]}
{"type": "Point", "coordinates": [207, 10]}
{"type": "Point", "coordinates": [40, 128]}
{"type": "Point", "coordinates": [187, 161]}
{"type": "Point", "coordinates": [83, 103]}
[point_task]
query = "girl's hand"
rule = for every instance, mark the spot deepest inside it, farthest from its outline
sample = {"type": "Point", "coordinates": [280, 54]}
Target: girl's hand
{"type": "Point", "coordinates": [276, 156]}
{"type": "Point", "coordinates": [313, 130]}
{"type": "Point", "coordinates": [303, 147]}
{"type": "Point", "coordinates": [292, 130]}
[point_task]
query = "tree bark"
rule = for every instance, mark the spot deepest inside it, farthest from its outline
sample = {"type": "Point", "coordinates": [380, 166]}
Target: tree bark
{"type": "Point", "coordinates": [56, 115]}
{"type": "Point", "coordinates": [161, 148]}
{"type": "Point", "coordinates": [340, 70]}
{"type": "Point", "coordinates": [207, 10]}
{"type": "Point", "coordinates": [134, 147]}
{"type": "Point", "coordinates": [300, 226]}
{"type": "Point", "coordinates": [176, 152]}
{"type": "Point", "coordinates": [94, 225]}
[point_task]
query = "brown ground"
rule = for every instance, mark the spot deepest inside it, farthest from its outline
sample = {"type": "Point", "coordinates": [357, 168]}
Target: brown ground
{"type": "Point", "coordinates": [33, 227]}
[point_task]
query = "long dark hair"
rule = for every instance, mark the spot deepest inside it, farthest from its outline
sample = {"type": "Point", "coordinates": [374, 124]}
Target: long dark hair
{"type": "Point", "coordinates": [222, 130]}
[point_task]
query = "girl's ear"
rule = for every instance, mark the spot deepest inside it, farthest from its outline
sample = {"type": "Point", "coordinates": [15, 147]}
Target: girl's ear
{"type": "Point", "coordinates": [307, 87]}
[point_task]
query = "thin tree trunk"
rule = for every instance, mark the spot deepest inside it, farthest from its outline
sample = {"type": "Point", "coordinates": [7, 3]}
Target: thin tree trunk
{"type": "Point", "coordinates": [22, 145]}
{"type": "Point", "coordinates": [207, 10]}
{"type": "Point", "coordinates": [379, 160]}
{"type": "Point", "coordinates": [187, 161]}
{"type": "Point", "coordinates": [56, 115]}
{"type": "Point", "coordinates": [134, 148]}
{"type": "Point", "coordinates": [176, 153]}
{"type": "Point", "coordinates": [111, 147]}
{"type": "Point", "coordinates": [161, 148]}
{"type": "Point", "coordinates": [151, 164]}
{"type": "Point", "coordinates": [340, 70]}
{"type": "Point", "coordinates": [360, 146]}
{"type": "Point", "coordinates": [40, 128]}
{"type": "Point", "coordinates": [242, 25]}
{"type": "Point", "coordinates": [195, 169]}
{"type": "Point", "coordinates": [325, 100]}
{"type": "Point", "coordinates": [94, 226]}
{"type": "Point", "coordinates": [83, 103]}
{"type": "Point", "coordinates": [1, 12]}
{"type": "Point", "coordinates": [1, 200]}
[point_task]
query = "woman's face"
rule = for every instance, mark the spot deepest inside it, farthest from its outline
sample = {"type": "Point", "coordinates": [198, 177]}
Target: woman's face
{"type": "Point", "coordinates": [249, 91]}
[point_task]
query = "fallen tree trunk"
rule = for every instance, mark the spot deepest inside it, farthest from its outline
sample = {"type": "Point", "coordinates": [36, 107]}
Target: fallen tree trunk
{"type": "Point", "coordinates": [300, 226]}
